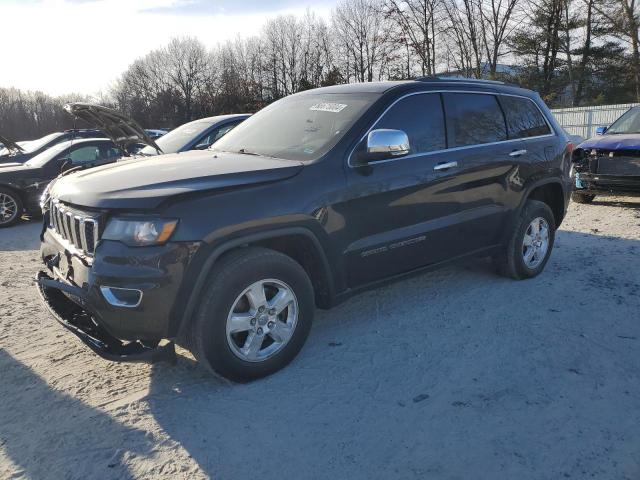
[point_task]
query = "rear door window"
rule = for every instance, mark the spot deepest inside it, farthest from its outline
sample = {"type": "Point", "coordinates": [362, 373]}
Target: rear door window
{"type": "Point", "coordinates": [421, 118]}
{"type": "Point", "coordinates": [524, 118]}
{"type": "Point", "coordinates": [473, 119]}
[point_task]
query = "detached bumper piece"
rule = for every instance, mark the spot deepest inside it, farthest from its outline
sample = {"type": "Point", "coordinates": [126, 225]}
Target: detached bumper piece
{"type": "Point", "coordinates": [57, 297]}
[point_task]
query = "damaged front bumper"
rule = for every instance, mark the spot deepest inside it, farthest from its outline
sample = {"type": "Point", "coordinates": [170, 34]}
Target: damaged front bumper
{"type": "Point", "coordinates": [67, 303]}
{"type": "Point", "coordinates": [598, 184]}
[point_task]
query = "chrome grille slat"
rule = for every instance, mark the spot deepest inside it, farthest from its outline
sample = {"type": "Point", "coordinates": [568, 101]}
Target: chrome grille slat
{"type": "Point", "coordinates": [83, 235]}
{"type": "Point", "coordinates": [78, 229]}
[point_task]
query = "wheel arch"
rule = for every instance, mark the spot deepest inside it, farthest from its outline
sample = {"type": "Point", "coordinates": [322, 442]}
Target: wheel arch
{"type": "Point", "coordinates": [14, 189]}
{"type": "Point", "coordinates": [299, 243]}
{"type": "Point", "coordinates": [552, 193]}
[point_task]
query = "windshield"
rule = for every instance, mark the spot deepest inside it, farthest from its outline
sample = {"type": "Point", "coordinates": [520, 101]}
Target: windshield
{"type": "Point", "coordinates": [300, 127]}
{"type": "Point", "coordinates": [627, 123]}
{"type": "Point", "coordinates": [178, 138]}
{"type": "Point", "coordinates": [34, 145]}
{"type": "Point", "coordinates": [42, 158]}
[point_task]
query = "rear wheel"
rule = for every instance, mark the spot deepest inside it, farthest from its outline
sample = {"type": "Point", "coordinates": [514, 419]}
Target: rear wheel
{"type": "Point", "coordinates": [530, 244]}
{"type": "Point", "coordinates": [10, 207]}
{"type": "Point", "coordinates": [582, 197]}
{"type": "Point", "coordinates": [255, 314]}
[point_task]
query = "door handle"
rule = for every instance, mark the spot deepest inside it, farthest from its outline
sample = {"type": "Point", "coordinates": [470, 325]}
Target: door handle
{"type": "Point", "coordinates": [517, 153]}
{"type": "Point", "coordinates": [445, 166]}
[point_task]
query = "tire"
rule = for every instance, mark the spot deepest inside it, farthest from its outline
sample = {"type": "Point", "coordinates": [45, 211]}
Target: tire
{"type": "Point", "coordinates": [512, 262]}
{"type": "Point", "coordinates": [209, 337]}
{"type": "Point", "coordinates": [10, 200]}
{"type": "Point", "coordinates": [582, 197]}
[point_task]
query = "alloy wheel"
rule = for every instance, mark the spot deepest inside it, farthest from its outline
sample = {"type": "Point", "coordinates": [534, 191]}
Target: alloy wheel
{"type": "Point", "coordinates": [8, 208]}
{"type": "Point", "coordinates": [535, 243]}
{"type": "Point", "coordinates": [262, 320]}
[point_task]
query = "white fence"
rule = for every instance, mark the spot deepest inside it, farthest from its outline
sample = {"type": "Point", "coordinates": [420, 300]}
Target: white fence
{"type": "Point", "coordinates": [584, 120]}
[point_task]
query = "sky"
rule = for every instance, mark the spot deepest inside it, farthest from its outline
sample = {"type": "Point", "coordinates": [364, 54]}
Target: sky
{"type": "Point", "coordinates": [82, 46]}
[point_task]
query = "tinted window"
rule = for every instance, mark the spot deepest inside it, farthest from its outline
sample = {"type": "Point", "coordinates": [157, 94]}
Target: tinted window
{"type": "Point", "coordinates": [178, 138]}
{"type": "Point", "coordinates": [109, 153]}
{"type": "Point", "coordinates": [523, 118]}
{"type": "Point", "coordinates": [474, 119]}
{"type": "Point", "coordinates": [421, 118]}
{"type": "Point", "coordinates": [89, 153]}
{"type": "Point", "coordinates": [215, 135]}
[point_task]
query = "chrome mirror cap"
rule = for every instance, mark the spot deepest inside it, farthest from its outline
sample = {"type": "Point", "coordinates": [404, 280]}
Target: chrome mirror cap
{"type": "Point", "coordinates": [387, 142]}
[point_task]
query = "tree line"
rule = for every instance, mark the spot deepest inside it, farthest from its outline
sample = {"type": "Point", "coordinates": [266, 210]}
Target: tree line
{"type": "Point", "coordinates": [574, 52]}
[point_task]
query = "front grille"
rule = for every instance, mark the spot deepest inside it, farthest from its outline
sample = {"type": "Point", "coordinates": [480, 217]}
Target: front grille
{"type": "Point", "coordinates": [80, 229]}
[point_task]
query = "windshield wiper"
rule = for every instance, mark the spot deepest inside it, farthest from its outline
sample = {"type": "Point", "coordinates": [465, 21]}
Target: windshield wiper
{"type": "Point", "coordinates": [245, 152]}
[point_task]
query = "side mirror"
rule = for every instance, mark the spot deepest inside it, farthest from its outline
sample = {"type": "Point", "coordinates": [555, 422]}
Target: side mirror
{"type": "Point", "coordinates": [601, 130]}
{"type": "Point", "coordinates": [382, 144]}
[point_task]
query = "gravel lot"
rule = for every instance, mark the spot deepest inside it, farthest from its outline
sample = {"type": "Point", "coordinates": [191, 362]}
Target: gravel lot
{"type": "Point", "coordinates": [455, 374]}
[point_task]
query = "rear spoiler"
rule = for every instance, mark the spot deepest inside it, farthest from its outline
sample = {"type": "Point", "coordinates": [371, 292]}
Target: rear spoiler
{"type": "Point", "coordinates": [12, 147]}
{"type": "Point", "coordinates": [119, 128]}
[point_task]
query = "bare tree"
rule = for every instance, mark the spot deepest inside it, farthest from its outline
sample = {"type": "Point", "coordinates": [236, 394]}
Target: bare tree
{"type": "Point", "coordinates": [496, 25]}
{"type": "Point", "coordinates": [623, 20]}
{"type": "Point", "coordinates": [416, 21]}
{"type": "Point", "coordinates": [188, 67]}
{"type": "Point", "coordinates": [361, 30]}
{"type": "Point", "coordinates": [464, 31]}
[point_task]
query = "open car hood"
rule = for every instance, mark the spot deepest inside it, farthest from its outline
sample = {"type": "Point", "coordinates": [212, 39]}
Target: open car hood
{"type": "Point", "coordinates": [119, 128]}
{"type": "Point", "coordinates": [10, 147]}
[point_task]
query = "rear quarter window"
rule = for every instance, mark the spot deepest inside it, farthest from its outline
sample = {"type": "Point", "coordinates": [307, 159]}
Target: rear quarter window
{"type": "Point", "coordinates": [473, 119]}
{"type": "Point", "coordinates": [524, 118]}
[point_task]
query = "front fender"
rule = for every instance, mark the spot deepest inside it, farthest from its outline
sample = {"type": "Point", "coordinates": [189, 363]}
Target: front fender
{"type": "Point", "coordinates": [220, 242]}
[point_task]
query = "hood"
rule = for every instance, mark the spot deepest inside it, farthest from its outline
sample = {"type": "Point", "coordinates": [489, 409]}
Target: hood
{"type": "Point", "coordinates": [122, 130]}
{"type": "Point", "coordinates": [6, 167]}
{"type": "Point", "coordinates": [146, 183]}
{"type": "Point", "coordinates": [613, 142]}
{"type": "Point", "coordinates": [11, 147]}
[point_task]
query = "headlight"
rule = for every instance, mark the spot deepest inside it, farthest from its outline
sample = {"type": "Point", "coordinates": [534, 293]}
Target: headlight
{"type": "Point", "coordinates": [44, 198]}
{"type": "Point", "coordinates": [138, 232]}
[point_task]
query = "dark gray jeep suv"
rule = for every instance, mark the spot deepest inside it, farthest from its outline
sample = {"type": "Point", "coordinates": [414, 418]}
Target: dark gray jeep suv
{"type": "Point", "coordinates": [324, 193]}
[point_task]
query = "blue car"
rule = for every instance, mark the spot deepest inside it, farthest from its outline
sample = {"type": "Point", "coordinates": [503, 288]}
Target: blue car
{"type": "Point", "coordinates": [609, 163]}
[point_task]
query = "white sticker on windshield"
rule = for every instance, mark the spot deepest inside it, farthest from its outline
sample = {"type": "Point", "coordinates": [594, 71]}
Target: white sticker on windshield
{"type": "Point", "coordinates": [328, 107]}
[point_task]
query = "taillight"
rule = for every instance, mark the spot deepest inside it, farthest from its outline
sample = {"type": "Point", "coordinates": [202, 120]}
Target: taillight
{"type": "Point", "coordinates": [570, 147]}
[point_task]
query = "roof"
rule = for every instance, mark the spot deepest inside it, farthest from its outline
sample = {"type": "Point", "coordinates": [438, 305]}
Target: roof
{"type": "Point", "coordinates": [76, 141]}
{"type": "Point", "coordinates": [220, 118]}
{"type": "Point", "coordinates": [382, 87]}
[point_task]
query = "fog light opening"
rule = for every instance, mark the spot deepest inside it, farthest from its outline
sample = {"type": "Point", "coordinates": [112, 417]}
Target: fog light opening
{"type": "Point", "coordinates": [122, 297]}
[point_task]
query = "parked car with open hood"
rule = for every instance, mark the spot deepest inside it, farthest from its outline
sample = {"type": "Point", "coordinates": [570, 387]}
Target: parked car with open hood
{"type": "Point", "coordinates": [319, 195]}
{"type": "Point", "coordinates": [609, 163]}
{"type": "Point", "coordinates": [197, 135]}
{"type": "Point", "coordinates": [20, 152]}
{"type": "Point", "coordinates": [21, 185]}
{"type": "Point", "coordinates": [156, 133]}
{"type": "Point", "coordinates": [122, 130]}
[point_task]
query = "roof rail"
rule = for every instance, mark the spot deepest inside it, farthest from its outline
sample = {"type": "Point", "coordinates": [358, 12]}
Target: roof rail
{"type": "Point", "coordinates": [438, 78]}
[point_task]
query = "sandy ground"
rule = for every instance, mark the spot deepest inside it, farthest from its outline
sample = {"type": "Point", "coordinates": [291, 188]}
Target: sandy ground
{"type": "Point", "coordinates": [455, 374]}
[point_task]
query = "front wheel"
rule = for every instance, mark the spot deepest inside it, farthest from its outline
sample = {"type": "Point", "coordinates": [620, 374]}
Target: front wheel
{"type": "Point", "coordinates": [530, 244]}
{"type": "Point", "coordinates": [10, 207]}
{"type": "Point", "coordinates": [255, 314]}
